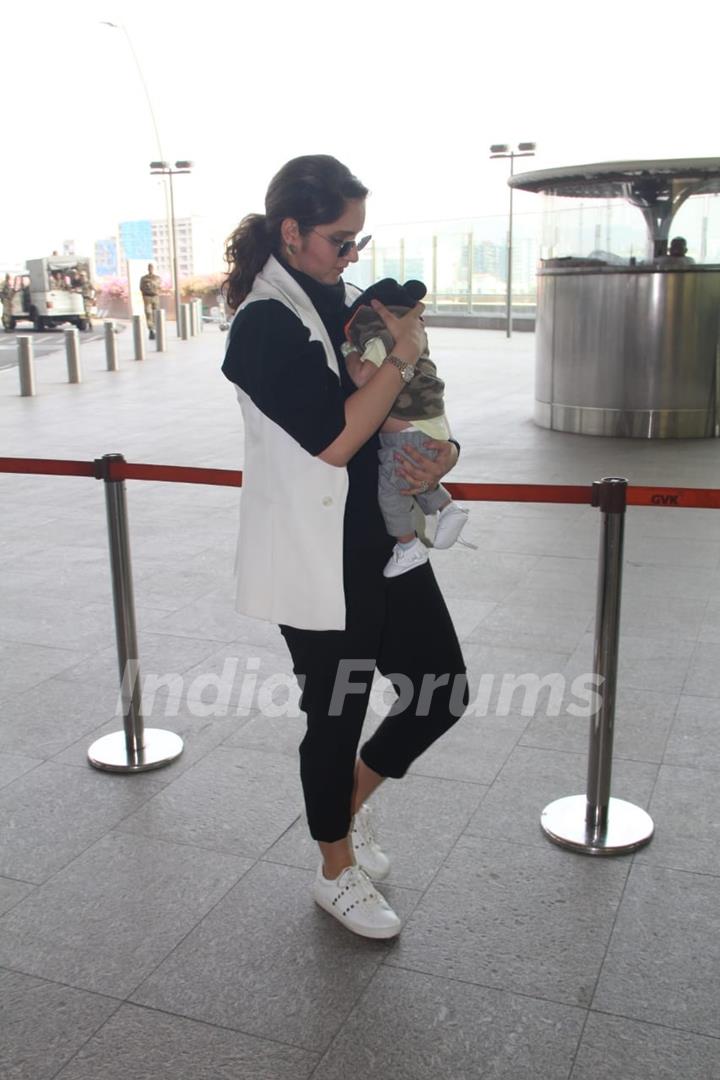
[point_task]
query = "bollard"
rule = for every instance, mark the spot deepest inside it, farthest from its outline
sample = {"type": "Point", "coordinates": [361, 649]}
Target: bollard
{"type": "Point", "coordinates": [111, 359]}
{"type": "Point", "coordinates": [139, 336]}
{"type": "Point", "coordinates": [26, 366]}
{"type": "Point", "coordinates": [72, 355]}
{"type": "Point", "coordinates": [184, 321]}
{"type": "Point", "coordinates": [200, 316]}
{"type": "Point", "coordinates": [136, 748]}
{"type": "Point", "coordinates": [594, 823]}
{"type": "Point", "coordinates": [160, 331]}
{"type": "Point", "coordinates": [192, 308]}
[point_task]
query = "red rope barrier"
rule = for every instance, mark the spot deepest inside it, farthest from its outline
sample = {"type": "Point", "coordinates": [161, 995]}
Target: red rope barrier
{"type": "Point", "coordinates": [701, 498]}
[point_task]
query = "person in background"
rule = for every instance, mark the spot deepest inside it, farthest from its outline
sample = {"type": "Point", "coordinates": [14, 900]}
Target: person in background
{"type": "Point", "coordinates": [150, 286]}
{"type": "Point", "coordinates": [677, 255]}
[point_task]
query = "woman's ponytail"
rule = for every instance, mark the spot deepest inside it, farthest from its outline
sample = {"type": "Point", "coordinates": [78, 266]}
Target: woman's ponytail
{"type": "Point", "coordinates": [246, 252]}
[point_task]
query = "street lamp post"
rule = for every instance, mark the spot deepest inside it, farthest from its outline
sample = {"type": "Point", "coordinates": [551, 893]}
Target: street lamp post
{"type": "Point", "coordinates": [502, 150]}
{"type": "Point", "coordinates": [163, 168]}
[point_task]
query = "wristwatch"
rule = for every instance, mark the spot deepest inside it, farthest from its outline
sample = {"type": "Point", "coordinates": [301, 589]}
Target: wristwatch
{"type": "Point", "coordinates": [406, 369]}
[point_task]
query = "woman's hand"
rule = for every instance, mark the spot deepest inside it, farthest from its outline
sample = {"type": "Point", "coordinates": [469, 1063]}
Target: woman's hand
{"type": "Point", "coordinates": [423, 473]}
{"type": "Point", "coordinates": [407, 330]}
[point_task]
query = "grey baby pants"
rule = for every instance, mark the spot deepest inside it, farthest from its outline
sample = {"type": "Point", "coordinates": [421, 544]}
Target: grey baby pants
{"type": "Point", "coordinates": [397, 509]}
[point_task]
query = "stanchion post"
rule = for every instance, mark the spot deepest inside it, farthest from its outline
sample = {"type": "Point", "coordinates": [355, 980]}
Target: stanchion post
{"type": "Point", "coordinates": [72, 355]}
{"type": "Point", "coordinates": [111, 358]}
{"type": "Point", "coordinates": [595, 823]}
{"type": "Point", "coordinates": [160, 331]}
{"type": "Point", "coordinates": [138, 322]}
{"type": "Point", "coordinates": [136, 748]}
{"type": "Point", "coordinates": [26, 366]}
{"type": "Point", "coordinates": [184, 322]}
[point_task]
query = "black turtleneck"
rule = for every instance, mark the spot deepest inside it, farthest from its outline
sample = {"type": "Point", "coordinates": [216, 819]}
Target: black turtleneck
{"type": "Point", "coordinates": [271, 358]}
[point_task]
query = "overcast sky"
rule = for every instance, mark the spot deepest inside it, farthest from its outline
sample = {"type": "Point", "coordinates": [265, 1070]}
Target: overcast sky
{"type": "Point", "coordinates": [409, 95]}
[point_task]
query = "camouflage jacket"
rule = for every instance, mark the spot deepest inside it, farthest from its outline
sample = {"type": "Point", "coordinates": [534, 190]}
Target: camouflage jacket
{"type": "Point", "coordinates": [150, 285]}
{"type": "Point", "coordinates": [420, 399]}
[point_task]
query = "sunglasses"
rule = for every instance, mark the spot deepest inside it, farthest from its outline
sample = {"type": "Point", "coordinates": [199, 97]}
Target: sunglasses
{"type": "Point", "coordinates": [344, 247]}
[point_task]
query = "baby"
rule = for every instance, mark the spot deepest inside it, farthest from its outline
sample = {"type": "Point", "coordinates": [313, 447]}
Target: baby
{"type": "Point", "coordinates": [417, 414]}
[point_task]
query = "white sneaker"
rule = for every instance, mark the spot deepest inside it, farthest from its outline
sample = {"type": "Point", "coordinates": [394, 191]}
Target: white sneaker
{"type": "Point", "coordinates": [368, 853]}
{"type": "Point", "coordinates": [451, 521]}
{"type": "Point", "coordinates": [355, 902]}
{"type": "Point", "coordinates": [404, 559]}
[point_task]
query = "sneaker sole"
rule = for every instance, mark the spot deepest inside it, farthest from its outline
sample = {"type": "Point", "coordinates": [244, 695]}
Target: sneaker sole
{"type": "Point", "coordinates": [379, 933]}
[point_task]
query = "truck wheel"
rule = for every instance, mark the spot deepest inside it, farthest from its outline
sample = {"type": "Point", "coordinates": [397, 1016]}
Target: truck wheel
{"type": "Point", "coordinates": [84, 324]}
{"type": "Point", "coordinates": [9, 322]}
{"type": "Point", "coordinates": [38, 321]}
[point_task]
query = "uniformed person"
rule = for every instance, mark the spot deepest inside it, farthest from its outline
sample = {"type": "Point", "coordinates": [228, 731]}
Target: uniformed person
{"type": "Point", "coordinates": [150, 286]}
{"type": "Point", "coordinates": [8, 294]}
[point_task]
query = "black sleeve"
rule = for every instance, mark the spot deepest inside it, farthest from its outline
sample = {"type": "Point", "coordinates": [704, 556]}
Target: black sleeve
{"type": "Point", "coordinates": [270, 357]}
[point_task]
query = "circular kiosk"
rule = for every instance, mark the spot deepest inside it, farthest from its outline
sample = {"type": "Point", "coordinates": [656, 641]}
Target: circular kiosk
{"type": "Point", "coordinates": [634, 349]}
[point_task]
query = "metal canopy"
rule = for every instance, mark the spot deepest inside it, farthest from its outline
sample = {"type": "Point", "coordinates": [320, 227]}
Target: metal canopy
{"type": "Point", "coordinates": [657, 188]}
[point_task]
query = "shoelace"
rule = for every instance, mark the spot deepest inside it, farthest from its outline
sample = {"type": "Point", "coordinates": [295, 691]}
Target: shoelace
{"type": "Point", "coordinates": [359, 882]}
{"type": "Point", "coordinates": [466, 543]}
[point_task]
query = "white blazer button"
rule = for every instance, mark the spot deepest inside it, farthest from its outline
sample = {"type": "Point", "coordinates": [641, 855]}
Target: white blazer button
{"type": "Point", "coordinates": [327, 501]}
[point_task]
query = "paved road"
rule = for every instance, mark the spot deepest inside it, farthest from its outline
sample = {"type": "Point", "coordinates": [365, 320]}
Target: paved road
{"type": "Point", "coordinates": [44, 342]}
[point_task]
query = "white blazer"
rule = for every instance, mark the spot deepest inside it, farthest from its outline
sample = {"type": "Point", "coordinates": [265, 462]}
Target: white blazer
{"type": "Point", "coordinates": [289, 564]}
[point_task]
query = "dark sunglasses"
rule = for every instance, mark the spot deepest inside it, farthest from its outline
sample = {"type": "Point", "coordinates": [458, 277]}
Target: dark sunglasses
{"type": "Point", "coordinates": [344, 247]}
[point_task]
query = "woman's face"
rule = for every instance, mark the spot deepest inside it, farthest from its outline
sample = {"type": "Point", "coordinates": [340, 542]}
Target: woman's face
{"type": "Point", "coordinates": [317, 253]}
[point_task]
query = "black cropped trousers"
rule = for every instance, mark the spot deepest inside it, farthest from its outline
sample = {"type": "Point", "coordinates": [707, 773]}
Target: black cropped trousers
{"type": "Point", "coordinates": [401, 626]}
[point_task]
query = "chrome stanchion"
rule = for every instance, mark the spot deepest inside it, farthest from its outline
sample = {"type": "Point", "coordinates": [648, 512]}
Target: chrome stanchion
{"type": "Point", "coordinates": [136, 748]}
{"type": "Point", "coordinates": [26, 366]}
{"type": "Point", "coordinates": [184, 322]}
{"type": "Point", "coordinates": [139, 336]}
{"type": "Point", "coordinates": [72, 355]}
{"type": "Point", "coordinates": [595, 823]}
{"type": "Point", "coordinates": [111, 357]}
{"type": "Point", "coordinates": [160, 331]}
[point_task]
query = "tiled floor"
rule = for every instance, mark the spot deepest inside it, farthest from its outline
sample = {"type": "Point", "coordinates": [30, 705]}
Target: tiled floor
{"type": "Point", "coordinates": [160, 926]}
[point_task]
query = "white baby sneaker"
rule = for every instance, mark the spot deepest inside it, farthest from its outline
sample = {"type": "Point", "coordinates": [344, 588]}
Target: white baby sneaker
{"type": "Point", "coordinates": [406, 558]}
{"type": "Point", "coordinates": [451, 521]}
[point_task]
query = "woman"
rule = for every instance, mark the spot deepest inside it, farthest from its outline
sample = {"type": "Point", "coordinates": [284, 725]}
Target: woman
{"type": "Point", "coordinates": [312, 543]}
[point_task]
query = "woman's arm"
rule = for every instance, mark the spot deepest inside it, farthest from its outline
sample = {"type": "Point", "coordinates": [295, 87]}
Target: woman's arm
{"type": "Point", "coordinates": [366, 409]}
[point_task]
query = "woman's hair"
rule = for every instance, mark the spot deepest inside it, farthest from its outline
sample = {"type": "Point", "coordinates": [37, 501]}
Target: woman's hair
{"type": "Point", "coordinates": [313, 190]}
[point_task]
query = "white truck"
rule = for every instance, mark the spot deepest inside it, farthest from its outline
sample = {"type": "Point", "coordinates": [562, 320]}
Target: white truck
{"type": "Point", "coordinates": [51, 292]}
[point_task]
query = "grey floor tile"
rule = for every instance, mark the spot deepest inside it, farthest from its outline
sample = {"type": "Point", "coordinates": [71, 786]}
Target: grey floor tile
{"type": "Point", "coordinates": [662, 616]}
{"type": "Point", "coordinates": [419, 819]}
{"type": "Point", "coordinates": [161, 655]}
{"type": "Point", "coordinates": [473, 750]}
{"type": "Point", "coordinates": [529, 920]}
{"type": "Point", "coordinates": [275, 734]}
{"type": "Point", "coordinates": [14, 765]}
{"type": "Point", "coordinates": [23, 666]}
{"type": "Point", "coordinates": [106, 920]}
{"type": "Point", "coordinates": [235, 800]}
{"type": "Point", "coordinates": [686, 810]}
{"type": "Point", "coordinates": [494, 575]}
{"type": "Point", "coordinates": [142, 1044]}
{"type": "Point", "coordinates": [50, 815]}
{"type": "Point", "coordinates": [245, 675]}
{"type": "Point", "coordinates": [12, 892]}
{"type": "Point", "coordinates": [418, 1027]}
{"type": "Point", "coordinates": [269, 962]}
{"type": "Point", "coordinates": [657, 664]}
{"type": "Point", "coordinates": [672, 551]}
{"type": "Point", "coordinates": [710, 627]}
{"type": "Point", "coordinates": [531, 779]}
{"type": "Point", "coordinates": [504, 678]}
{"type": "Point", "coordinates": [614, 1047]}
{"type": "Point", "coordinates": [702, 677]}
{"type": "Point", "coordinates": [44, 720]}
{"type": "Point", "coordinates": [694, 738]}
{"type": "Point", "coordinates": [526, 623]}
{"type": "Point", "coordinates": [663, 963]}
{"type": "Point", "coordinates": [45, 1024]}
{"type": "Point", "coordinates": [642, 721]}
{"type": "Point", "coordinates": [77, 624]}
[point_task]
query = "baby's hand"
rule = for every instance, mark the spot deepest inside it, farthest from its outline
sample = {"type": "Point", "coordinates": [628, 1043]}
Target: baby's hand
{"type": "Point", "coordinates": [359, 371]}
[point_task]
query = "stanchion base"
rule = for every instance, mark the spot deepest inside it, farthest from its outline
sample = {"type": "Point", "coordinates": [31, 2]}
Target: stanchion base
{"type": "Point", "coordinates": [110, 753]}
{"type": "Point", "coordinates": [628, 827]}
